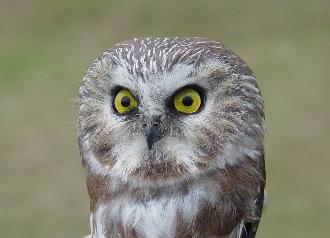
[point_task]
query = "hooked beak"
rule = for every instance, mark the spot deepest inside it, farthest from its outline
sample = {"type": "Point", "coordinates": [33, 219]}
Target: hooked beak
{"type": "Point", "coordinates": [152, 135]}
{"type": "Point", "coordinates": [152, 130]}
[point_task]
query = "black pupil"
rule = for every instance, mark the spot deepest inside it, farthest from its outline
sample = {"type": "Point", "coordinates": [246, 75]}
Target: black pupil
{"type": "Point", "coordinates": [125, 101]}
{"type": "Point", "coordinates": [187, 101]}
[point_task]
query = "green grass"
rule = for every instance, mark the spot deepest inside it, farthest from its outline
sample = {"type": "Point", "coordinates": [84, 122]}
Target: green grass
{"type": "Point", "coordinates": [46, 46]}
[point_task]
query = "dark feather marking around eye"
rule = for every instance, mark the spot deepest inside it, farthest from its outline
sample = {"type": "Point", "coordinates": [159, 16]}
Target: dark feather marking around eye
{"type": "Point", "coordinates": [201, 91]}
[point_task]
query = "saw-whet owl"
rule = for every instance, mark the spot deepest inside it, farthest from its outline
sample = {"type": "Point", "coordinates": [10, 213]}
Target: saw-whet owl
{"type": "Point", "coordinates": [171, 134]}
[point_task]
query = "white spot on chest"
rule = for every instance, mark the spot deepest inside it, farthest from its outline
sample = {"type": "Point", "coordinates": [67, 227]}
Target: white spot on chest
{"type": "Point", "coordinates": [154, 218]}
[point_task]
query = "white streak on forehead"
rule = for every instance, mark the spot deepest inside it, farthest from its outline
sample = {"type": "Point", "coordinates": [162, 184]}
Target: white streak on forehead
{"type": "Point", "coordinates": [120, 76]}
{"type": "Point", "coordinates": [172, 81]}
{"type": "Point", "coordinates": [180, 76]}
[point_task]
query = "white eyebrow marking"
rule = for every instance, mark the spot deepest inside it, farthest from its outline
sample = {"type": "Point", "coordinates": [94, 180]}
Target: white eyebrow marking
{"type": "Point", "coordinates": [120, 76]}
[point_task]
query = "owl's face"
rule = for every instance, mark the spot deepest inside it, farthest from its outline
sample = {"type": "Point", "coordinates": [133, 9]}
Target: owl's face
{"type": "Point", "coordinates": [168, 109]}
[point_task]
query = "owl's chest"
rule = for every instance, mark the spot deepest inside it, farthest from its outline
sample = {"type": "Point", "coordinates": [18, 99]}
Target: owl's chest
{"type": "Point", "coordinates": [154, 218]}
{"type": "Point", "coordinates": [167, 216]}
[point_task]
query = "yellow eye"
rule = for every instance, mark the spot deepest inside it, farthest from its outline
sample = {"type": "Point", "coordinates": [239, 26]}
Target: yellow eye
{"type": "Point", "coordinates": [187, 100]}
{"type": "Point", "coordinates": [124, 101]}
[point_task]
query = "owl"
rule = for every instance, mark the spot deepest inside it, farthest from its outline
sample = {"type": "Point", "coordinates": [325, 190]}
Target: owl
{"type": "Point", "coordinates": [171, 134]}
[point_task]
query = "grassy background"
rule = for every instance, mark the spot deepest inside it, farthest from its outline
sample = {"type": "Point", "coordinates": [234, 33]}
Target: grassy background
{"type": "Point", "coordinates": [46, 46]}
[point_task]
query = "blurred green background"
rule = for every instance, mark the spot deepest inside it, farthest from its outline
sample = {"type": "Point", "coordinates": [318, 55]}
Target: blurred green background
{"type": "Point", "coordinates": [46, 47]}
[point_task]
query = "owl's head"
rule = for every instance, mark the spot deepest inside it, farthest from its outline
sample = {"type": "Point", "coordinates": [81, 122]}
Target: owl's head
{"type": "Point", "coordinates": [168, 109]}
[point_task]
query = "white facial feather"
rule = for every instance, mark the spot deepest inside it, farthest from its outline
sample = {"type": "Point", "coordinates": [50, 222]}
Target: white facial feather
{"type": "Point", "coordinates": [92, 162]}
{"type": "Point", "coordinates": [128, 156]}
{"type": "Point", "coordinates": [183, 151]}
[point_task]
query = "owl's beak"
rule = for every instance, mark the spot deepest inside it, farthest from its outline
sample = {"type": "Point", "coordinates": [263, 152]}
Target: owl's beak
{"type": "Point", "coordinates": [152, 130]}
{"type": "Point", "coordinates": [152, 135]}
